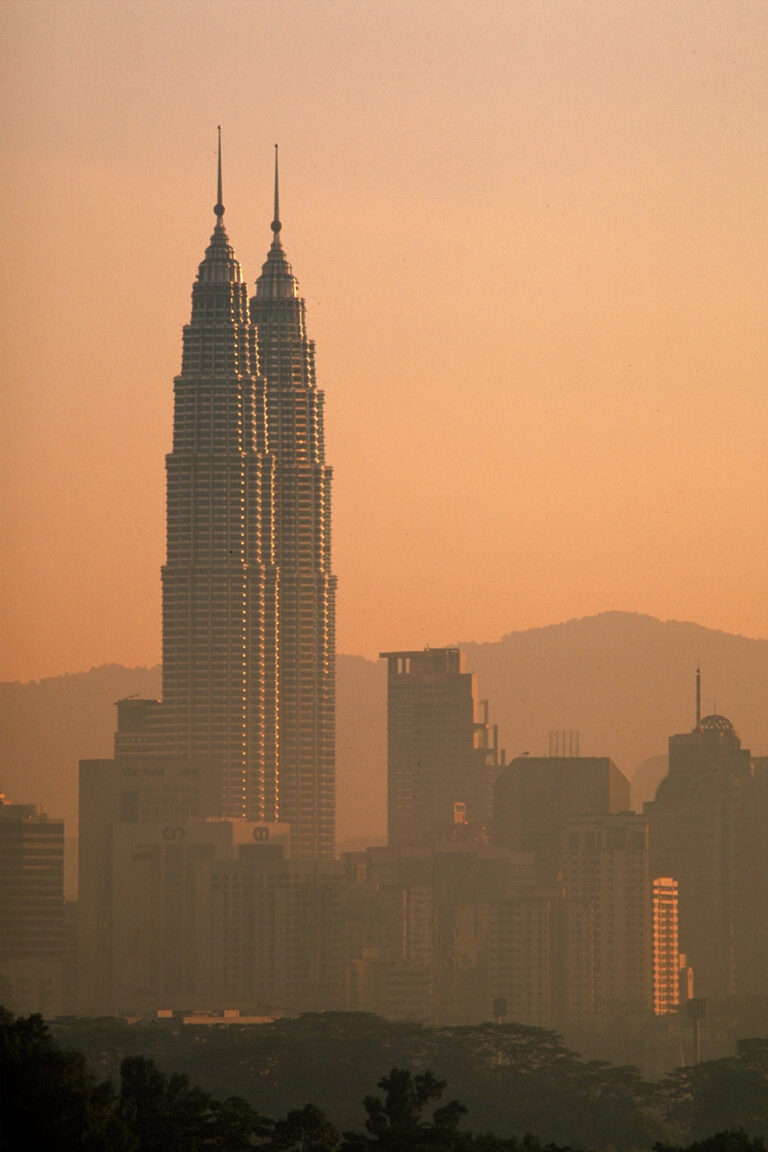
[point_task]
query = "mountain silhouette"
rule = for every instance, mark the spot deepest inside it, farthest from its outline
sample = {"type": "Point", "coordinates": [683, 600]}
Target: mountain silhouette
{"type": "Point", "coordinates": [625, 682]}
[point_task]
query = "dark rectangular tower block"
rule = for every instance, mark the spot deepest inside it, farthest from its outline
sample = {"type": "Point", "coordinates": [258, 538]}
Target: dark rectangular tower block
{"type": "Point", "coordinates": [535, 796]}
{"type": "Point", "coordinates": [442, 754]}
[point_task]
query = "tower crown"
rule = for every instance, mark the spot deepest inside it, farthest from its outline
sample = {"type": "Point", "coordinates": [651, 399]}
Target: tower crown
{"type": "Point", "coordinates": [220, 265]}
{"type": "Point", "coordinates": [277, 280]}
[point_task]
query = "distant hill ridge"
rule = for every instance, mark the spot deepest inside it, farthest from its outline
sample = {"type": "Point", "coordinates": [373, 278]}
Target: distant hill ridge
{"type": "Point", "coordinates": [624, 681]}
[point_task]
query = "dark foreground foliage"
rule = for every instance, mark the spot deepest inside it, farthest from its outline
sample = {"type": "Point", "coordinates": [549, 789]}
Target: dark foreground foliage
{"type": "Point", "coordinates": [733, 1140]}
{"type": "Point", "coordinates": [511, 1078]}
{"type": "Point", "coordinates": [51, 1099]}
{"type": "Point", "coordinates": [721, 1095]}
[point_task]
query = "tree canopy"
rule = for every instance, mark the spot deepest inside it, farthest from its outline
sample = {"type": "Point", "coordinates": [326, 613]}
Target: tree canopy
{"type": "Point", "coordinates": [313, 1072]}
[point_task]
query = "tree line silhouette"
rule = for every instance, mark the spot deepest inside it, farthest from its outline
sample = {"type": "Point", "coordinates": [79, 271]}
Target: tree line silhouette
{"type": "Point", "coordinates": [51, 1098]}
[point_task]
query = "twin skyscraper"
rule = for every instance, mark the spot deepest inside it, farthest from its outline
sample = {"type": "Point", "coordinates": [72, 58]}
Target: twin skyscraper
{"type": "Point", "coordinates": [248, 594]}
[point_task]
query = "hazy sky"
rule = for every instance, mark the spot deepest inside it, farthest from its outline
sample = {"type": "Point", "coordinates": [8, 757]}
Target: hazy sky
{"type": "Point", "coordinates": [533, 239]}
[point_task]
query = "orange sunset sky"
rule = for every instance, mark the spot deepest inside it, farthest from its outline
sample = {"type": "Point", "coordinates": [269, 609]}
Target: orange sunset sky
{"type": "Point", "coordinates": [533, 239]}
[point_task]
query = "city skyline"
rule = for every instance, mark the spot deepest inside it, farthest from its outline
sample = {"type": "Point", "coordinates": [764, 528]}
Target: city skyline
{"type": "Point", "coordinates": [534, 257]}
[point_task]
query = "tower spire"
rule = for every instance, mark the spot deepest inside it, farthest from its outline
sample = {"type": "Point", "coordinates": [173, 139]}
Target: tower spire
{"type": "Point", "coordinates": [276, 225]}
{"type": "Point", "coordinates": [218, 207]}
{"type": "Point", "coordinates": [277, 279]}
{"type": "Point", "coordinates": [219, 264]}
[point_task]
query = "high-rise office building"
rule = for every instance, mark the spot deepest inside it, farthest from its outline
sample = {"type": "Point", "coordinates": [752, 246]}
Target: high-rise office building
{"type": "Point", "coordinates": [605, 864]}
{"type": "Point", "coordinates": [248, 593]}
{"type": "Point", "coordinates": [416, 928]}
{"type": "Point", "coordinates": [523, 949]}
{"type": "Point", "coordinates": [754, 937]}
{"type": "Point", "coordinates": [535, 796]}
{"type": "Point", "coordinates": [306, 587]}
{"type": "Point", "coordinates": [220, 698]}
{"type": "Point", "coordinates": [442, 754]}
{"type": "Point", "coordinates": [666, 956]}
{"type": "Point", "coordinates": [703, 835]}
{"type": "Point", "coordinates": [31, 908]}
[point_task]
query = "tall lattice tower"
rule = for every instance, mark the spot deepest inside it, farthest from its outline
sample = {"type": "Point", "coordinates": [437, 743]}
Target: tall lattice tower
{"type": "Point", "coordinates": [302, 552]}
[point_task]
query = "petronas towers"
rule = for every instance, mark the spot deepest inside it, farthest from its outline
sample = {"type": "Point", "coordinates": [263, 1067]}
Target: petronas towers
{"type": "Point", "coordinates": [248, 593]}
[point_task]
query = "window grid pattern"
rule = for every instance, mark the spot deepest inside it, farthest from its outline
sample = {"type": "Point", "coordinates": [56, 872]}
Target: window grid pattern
{"type": "Point", "coordinates": [302, 549]}
{"type": "Point", "coordinates": [220, 581]}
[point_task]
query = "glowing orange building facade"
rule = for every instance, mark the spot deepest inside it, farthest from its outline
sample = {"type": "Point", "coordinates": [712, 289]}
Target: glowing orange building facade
{"type": "Point", "coordinates": [666, 957]}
